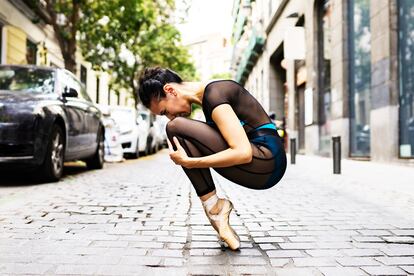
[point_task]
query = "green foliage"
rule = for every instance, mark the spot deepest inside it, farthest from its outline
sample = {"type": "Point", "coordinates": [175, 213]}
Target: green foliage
{"type": "Point", "coordinates": [64, 17]}
{"type": "Point", "coordinates": [125, 36]}
{"type": "Point", "coordinates": [224, 76]}
{"type": "Point", "coordinates": [121, 37]}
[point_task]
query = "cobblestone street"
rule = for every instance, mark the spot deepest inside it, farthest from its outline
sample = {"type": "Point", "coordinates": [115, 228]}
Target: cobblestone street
{"type": "Point", "coordinates": [142, 217]}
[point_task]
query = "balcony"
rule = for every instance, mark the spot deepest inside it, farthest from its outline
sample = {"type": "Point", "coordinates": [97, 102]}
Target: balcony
{"type": "Point", "coordinates": [239, 27]}
{"type": "Point", "coordinates": [250, 57]}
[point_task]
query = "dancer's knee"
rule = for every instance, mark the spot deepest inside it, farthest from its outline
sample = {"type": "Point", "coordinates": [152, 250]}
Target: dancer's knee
{"type": "Point", "coordinates": [174, 126]}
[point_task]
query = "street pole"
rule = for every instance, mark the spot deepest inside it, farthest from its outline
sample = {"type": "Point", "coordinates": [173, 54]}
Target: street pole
{"type": "Point", "coordinates": [292, 150]}
{"type": "Point", "coordinates": [336, 148]}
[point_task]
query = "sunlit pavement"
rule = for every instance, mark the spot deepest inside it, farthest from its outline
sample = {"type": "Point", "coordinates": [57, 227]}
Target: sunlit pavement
{"type": "Point", "coordinates": [142, 217]}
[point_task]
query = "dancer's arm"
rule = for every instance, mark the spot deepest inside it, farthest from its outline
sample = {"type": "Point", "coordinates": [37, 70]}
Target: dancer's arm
{"type": "Point", "coordinates": [239, 151]}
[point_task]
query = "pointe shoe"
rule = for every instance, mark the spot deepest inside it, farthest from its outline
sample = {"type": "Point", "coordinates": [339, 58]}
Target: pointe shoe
{"type": "Point", "coordinates": [221, 223]}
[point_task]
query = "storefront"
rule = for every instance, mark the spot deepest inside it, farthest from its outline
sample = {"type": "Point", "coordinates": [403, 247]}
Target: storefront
{"type": "Point", "coordinates": [359, 81]}
{"type": "Point", "coordinates": [406, 78]}
{"type": "Point", "coordinates": [324, 50]}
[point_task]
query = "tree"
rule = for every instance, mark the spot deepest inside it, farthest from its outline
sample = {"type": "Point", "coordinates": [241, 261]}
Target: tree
{"type": "Point", "coordinates": [123, 37]}
{"type": "Point", "coordinates": [119, 36]}
{"type": "Point", "coordinates": [64, 17]}
{"type": "Point", "coordinates": [223, 75]}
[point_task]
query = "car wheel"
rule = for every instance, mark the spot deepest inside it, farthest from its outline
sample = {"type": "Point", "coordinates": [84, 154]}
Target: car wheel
{"type": "Point", "coordinates": [52, 167]}
{"type": "Point", "coordinates": [97, 160]}
{"type": "Point", "coordinates": [135, 155]}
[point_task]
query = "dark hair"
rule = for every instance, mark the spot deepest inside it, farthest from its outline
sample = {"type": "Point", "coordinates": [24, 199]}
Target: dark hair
{"type": "Point", "coordinates": [152, 81]}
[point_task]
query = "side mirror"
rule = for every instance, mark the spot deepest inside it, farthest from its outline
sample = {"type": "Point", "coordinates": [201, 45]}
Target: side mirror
{"type": "Point", "coordinates": [70, 92]}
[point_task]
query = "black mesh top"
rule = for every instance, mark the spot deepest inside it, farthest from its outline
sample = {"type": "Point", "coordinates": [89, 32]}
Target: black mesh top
{"type": "Point", "coordinates": [249, 111]}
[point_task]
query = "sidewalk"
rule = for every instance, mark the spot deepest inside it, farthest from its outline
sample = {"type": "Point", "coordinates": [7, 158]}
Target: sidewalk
{"type": "Point", "coordinates": [388, 185]}
{"type": "Point", "coordinates": [143, 217]}
{"type": "Point", "coordinates": [358, 223]}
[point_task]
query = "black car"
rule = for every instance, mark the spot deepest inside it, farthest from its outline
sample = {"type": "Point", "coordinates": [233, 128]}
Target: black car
{"type": "Point", "coordinates": [46, 118]}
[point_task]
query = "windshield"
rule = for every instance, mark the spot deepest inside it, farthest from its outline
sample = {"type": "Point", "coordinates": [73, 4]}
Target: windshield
{"type": "Point", "coordinates": [123, 116]}
{"type": "Point", "coordinates": [143, 116]}
{"type": "Point", "coordinates": [26, 79]}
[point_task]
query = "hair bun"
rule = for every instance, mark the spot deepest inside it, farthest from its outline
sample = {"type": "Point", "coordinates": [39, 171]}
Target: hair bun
{"type": "Point", "coordinates": [152, 81]}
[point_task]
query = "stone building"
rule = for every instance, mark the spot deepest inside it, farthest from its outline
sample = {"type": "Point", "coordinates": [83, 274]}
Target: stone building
{"type": "Point", "coordinates": [332, 68]}
{"type": "Point", "coordinates": [211, 54]}
{"type": "Point", "coordinates": [24, 42]}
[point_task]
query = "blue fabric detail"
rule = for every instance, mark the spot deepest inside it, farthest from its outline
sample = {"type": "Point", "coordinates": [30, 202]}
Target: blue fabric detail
{"type": "Point", "coordinates": [270, 142]}
{"type": "Point", "coordinates": [274, 144]}
{"type": "Point", "coordinates": [269, 125]}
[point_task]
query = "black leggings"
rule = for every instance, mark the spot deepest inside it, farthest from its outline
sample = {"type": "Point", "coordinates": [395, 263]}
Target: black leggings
{"type": "Point", "coordinates": [199, 139]}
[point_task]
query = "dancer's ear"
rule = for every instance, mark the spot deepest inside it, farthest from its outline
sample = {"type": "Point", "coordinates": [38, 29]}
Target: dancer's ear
{"type": "Point", "coordinates": [169, 89]}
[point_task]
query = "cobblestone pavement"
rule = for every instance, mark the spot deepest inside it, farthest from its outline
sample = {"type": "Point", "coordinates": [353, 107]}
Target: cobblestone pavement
{"type": "Point", "coordinates": [142, 217]}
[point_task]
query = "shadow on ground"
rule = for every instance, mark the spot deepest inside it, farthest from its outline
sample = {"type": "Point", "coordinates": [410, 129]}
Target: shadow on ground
{"type": "Point", "coordinates": [13, 177]}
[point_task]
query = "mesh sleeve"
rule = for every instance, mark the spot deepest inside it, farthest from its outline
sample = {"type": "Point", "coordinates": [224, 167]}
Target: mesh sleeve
{"type": "Point", "coordinates": [220, 92]}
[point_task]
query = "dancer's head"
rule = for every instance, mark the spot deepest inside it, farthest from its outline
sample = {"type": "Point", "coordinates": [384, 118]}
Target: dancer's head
{"type": "Point", "coordinates": [160, 91]}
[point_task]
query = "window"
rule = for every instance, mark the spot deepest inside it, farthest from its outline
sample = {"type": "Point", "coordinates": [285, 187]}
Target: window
{"type": "Point", "coordinates": [324, 13]}
{"type": "Point", "coordinates": [324, 21]}
{"type": "Point", "coordinates": [359, 77]}
{"type": "Point", "coordinates": [1, 43]}
{"type": "Point", "coordinates": [30, 80]}
{"type": "Point", "coordinates": [72, 82]}
{"type": "Point", "coordinates": [406, 70]}
{"type": "Point", "coordinates": [31, 52]}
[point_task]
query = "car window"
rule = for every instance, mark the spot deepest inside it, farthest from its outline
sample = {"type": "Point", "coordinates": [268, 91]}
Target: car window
{"type": "Point", "coordinates": [33, 80]}
{"type": "Point", "coordinates": [144, 116]}
{"type": "Point", "coordinates": [72, 82]}
{"type": "Point", "coordinates": [84, 95]}
{"type": "Point", "coordinates": [68, 82]}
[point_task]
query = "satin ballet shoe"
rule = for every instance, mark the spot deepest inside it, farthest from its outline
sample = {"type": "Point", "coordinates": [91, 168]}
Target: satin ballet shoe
{"type": "Point", "coordinates": [221, 223]}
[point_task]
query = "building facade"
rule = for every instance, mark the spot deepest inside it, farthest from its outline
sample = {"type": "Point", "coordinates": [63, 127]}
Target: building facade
{"type": "Point", "coordinates": [24, 42]}
{"type": "Point", "coordinates": [211, 54]}
{"type": "Point", "coordinates": [332, 68]}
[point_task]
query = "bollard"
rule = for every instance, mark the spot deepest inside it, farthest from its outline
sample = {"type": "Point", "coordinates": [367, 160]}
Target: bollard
{"type": "Point", "coordinates": [336, 149]}
{"type": "Point", "coordinates": [293, 151]}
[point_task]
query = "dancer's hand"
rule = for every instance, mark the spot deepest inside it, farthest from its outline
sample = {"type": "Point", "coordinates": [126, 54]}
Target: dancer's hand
{"type": "Point", "coordinates": [179, 156]}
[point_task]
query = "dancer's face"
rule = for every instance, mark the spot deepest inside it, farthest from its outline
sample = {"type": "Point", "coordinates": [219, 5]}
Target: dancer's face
{"type": "Point", "coordinates": [174, 104]}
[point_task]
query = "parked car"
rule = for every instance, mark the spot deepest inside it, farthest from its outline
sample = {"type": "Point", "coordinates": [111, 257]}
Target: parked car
{"type": "Point", "coordinates": [160, 124]}
{"type": "Point", "coordinates": [113, 147]}
{"type": "Point", "coordinates": [134, 132]}
{"type": "Point", "coordinates": [46, 118]}
{"type": "Point", "coordinates": [147, 120]}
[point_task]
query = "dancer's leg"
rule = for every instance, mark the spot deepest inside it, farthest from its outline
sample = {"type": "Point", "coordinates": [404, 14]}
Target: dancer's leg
{"type": "Point", "coordinates": [199, 139]}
